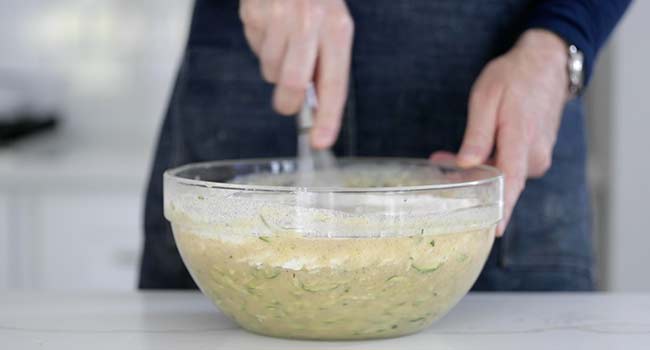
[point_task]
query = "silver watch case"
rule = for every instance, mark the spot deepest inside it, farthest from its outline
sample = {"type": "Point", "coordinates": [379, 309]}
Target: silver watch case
{"type": "Point", "coordinates": [575, 68]}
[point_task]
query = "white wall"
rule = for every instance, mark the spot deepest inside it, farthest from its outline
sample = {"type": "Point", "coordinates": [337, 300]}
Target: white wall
{"type": "Point", "coordinates": [629, 229]}
{"type": "Point", "coordinates": [599, 120]}
{"type": "Point", "coordinates": [4, 242]}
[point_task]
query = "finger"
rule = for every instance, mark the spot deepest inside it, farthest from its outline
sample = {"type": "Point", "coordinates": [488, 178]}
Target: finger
{"type": "Point", "coordinates": [254, 13]}
{"type": "Point", "coordinates": [481, 122]}
{"type": "Point", "coordinates": [332, 80]}
{"type": "Point", "coordinates": [253, 16]}
{"type": "Point", "coordinates": [254, 38]}
{"type": "Point", "coordinates": [443, 157]}
{"type": "Point", "coordinates": [539, 158]}
{"type": "Point", "coordinates": [275, 41]}
{"type": "Point", "coordinates": [512, 159]}
{"type": "Point", "coordinates": [299, 63]}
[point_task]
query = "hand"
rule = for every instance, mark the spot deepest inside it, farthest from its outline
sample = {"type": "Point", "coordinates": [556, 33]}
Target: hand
{"type": "Point", "coordinates": [299, 41]}
{"type": "Point", "coordinates": [515, 106]}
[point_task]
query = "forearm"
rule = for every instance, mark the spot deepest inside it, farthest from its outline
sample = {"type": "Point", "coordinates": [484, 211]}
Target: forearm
{"type": "Point", "coordinates": [583, 23]}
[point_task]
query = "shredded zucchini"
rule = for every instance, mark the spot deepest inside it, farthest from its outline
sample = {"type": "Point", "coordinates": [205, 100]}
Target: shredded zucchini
{"type": "Point", "coordinates": [425, 269]}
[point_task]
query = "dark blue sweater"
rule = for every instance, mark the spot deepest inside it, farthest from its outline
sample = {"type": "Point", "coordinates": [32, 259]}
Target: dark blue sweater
{"type": "Point", "coordinates": [583, 23]}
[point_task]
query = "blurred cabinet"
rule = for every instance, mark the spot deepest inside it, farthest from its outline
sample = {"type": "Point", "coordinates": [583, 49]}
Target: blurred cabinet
{"type": "Point", "coordinates": [70, 240]}
{"type": "Point", "coordinates": [88, 241]}
{"type": "Point", "coordinates": [70, 204]}
{"type": "Point", "coordinates": [72, 230]}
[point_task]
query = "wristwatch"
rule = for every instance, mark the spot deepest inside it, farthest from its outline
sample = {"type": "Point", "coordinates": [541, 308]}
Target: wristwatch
{"type": "Point", "coordinates": [575, 70]}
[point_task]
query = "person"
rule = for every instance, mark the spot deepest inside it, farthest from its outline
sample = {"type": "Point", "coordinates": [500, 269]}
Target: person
{"type": "Point", "coordinates": [473, 81]}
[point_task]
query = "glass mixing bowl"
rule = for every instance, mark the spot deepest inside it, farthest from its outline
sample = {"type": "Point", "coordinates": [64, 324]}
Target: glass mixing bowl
{"type": "Point", "coordinates": [389, 250]}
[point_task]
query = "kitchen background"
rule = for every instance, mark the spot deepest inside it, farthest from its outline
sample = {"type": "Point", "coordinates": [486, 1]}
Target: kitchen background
{"type": "Point", "coordinates": [71, 199]}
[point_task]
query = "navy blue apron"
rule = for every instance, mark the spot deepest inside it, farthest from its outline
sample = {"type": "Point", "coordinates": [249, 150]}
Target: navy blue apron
{"type": "Point", "coordinates": [414, 63]}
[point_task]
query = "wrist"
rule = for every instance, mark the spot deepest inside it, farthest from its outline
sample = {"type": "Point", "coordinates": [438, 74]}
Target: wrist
{"type": "Point", "coordinates": [549, 50]}
{"type": "Point", "coordinates": [545, 44]}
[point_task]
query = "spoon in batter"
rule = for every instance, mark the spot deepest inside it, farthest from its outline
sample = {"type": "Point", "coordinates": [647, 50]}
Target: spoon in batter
{"type": "Point", "coordinates": [312, 163]}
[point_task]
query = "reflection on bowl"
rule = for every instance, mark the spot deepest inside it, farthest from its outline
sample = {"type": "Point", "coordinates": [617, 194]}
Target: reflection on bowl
{"type": "Point", "coordinates": [386, 254]}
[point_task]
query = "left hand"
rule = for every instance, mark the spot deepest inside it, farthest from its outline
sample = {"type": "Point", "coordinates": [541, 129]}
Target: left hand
{"type": "Point", "coordinates": [515, 107]}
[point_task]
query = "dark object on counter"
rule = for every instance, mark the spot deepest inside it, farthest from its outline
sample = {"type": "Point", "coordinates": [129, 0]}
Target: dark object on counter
{"type": "Point", "coordinates": [25, 125]}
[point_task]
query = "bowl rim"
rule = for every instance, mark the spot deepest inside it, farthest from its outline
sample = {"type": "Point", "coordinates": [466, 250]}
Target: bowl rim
{"type": "Point", "coordinates": [172, 174]}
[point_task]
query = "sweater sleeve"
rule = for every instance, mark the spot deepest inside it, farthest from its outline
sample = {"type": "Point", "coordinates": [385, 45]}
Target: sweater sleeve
{"type": "Point", "coordinates": [583, 23]}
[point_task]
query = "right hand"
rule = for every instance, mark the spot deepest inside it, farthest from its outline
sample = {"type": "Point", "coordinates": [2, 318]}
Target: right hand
{"type": "Point", "coordinates": [299, 41]}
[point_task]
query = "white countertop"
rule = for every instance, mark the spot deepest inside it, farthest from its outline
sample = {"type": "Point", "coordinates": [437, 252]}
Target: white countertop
{"type": "Point", "coordinates": [187, 320]}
